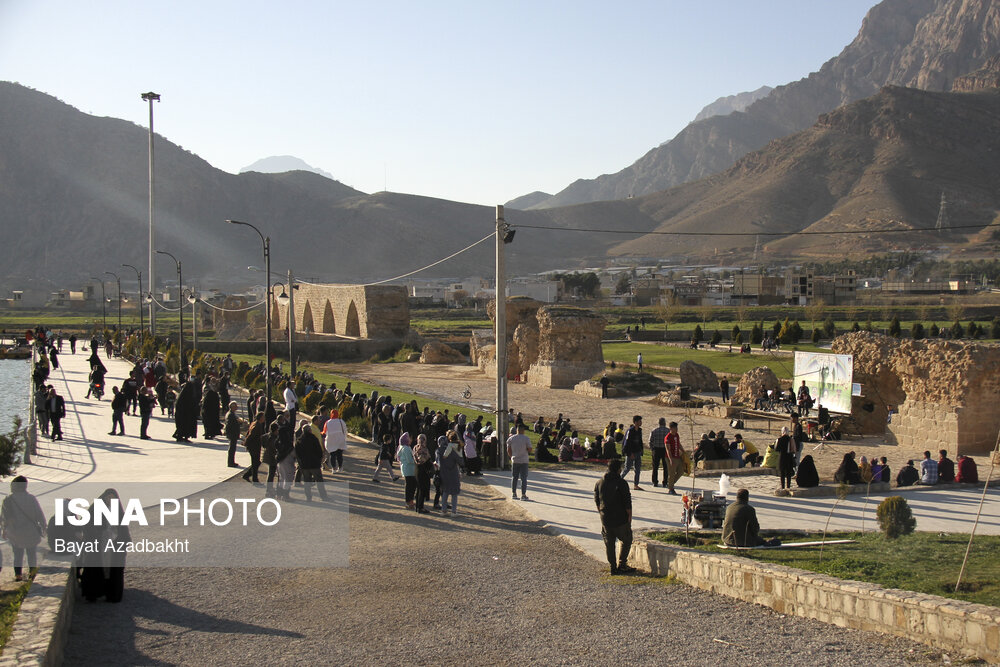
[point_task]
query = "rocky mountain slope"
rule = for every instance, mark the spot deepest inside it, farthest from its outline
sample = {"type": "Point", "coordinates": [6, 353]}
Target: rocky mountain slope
{"type": "Point", "coordinates": [923, 44]}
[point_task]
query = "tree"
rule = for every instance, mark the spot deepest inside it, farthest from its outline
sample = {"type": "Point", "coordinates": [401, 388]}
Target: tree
{"type": "Point", "coordinates": [955, 311]}
{"type": "Point", "coordinates": [735, 333]}
{"type": "Point", "coordinates": [665, 311]}
{"type": "Point", "coordinates": [829, 328]}
{"type": "Point", "coordinates": [11, 446]}
{"type": "Point", "coordinates": [815, 336]}
{"type": "Point", "coordinates": [795, 332]}
{"type": "Point", "coordinates": [895, 330]}
{"type": "Point", "coordinates": [784, 334]}
{"type": "Point", "coordinates": [716, 338]}
{"type": "Point", "coordinates": [917, 331]}
{"type": "Point", "coordinates": [814, 311]}
{"type": "Point", "coordinates": [974, 331]}
{"type": "Point", "coordinates": [995, 327]}
{"type": "Point", "coordinates": [624, 284]}
{"type": "Point", "coordinates": [697, 336]}
{"type": "Point", "coordinates": [934, 331]}
{"type": "Point", "coordinates": [956, 330]}
{"type": "Point", "coordinates": [855, 327]}
{"type": "Point", "coordinates": [776, 328]}
{"type": "Point", "coordinates": [756, 334]}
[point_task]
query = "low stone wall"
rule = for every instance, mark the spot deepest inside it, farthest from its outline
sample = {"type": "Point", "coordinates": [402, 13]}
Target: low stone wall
{"type": "Point", "coordinates": [313, 350]}
{"type": "Point", "coordinates": [40, 631]}
{"type": "Point", "coordinates": [948, 624]}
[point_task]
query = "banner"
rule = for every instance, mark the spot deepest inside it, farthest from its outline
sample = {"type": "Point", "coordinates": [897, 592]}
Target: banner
{"type": "Point", "coordinates": [829, 378]}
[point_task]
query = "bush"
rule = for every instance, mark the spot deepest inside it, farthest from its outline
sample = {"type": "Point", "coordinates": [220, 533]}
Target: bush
{"type": "Point", "coordinates": [957, 331]}
{"type": "Point", "coordinates": [172, 359]}
{"type": "Point", "coordinates": [829, 328]}
{"type": "Point", "coordinates": [756, 335]}
{"type": "Point", "coordinates": [697, 336]}
{"type": "Point", "coordinates": [12, 445]}
{"type": "Point", "coordinates": [359, 426]}
{"type": "Point", "coordinates": [995, 328]}
{"type": "Point", "coordinates": [716, 338]}
{"type": "Point", "coordinates": [974, 331]}
{"type": "Point", "coordinates": [855, 327]}
{"type": "Point", "coordinates": [310, 402]}
{"type": "Point", "coordinates": [735, 335]}
{"type": "Point", "coordinates": [815, 336]}
{"type": "Point", "coordinates": [917, 331]}
{"type": "Point", "coordinates": [895, 330]}
{"type": "Point", "coordinates": [934, 331]}
{"type": "Point", "coordinates": [895, 517]}
{"type": "Point", "coordinates": [350, 410]}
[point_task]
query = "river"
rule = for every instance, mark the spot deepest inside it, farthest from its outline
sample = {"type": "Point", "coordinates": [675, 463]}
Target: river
{"type": "Point", "coordinates": [14, 381]}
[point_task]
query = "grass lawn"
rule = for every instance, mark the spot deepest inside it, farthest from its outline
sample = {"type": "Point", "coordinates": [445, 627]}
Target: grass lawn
{"type": "Point", "coordinates": [921, 562]}
{"type": "Point", "coordinates": [718, 360]}
{"type": "Point", "coordinates": [10, 604]}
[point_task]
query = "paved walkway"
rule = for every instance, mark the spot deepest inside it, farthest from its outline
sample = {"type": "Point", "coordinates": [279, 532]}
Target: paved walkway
{"type": "Point", "coordinates": [88, 454]}
{"type": "Point", "coordinates": [564, 499]}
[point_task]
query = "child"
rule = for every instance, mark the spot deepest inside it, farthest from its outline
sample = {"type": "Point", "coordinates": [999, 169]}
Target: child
{"type": "Point", "coordinates": [171, 398]}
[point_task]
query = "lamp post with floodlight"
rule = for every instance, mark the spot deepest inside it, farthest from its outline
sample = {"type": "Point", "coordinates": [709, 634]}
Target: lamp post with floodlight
{"type": "Point", "coordinates": [142, 325]}
{"type": "Point", "coordinates": [151, 97]}
{"type": "Point", "coordinates": [266, 243]}
{"type": "Point", "coordinates": [180, 310]}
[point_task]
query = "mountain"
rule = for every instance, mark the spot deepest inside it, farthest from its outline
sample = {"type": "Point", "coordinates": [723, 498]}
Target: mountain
{"type": "Point", "coordinates": [727, 105]}
{"type": "Point", "coordinates": [277, 164]}
{"type": "Point", "coordinates": [528, 200]}
{"type": "Point", "coordinates": [879, 163]}
{"type": "Point", "coordinates": [914, 43]}
{"type": "Point", "coordinates": [74, 199]}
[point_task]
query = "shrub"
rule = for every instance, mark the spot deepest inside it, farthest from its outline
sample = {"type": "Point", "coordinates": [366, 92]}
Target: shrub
{"type": "Point", "coordinates": [358, 425]}
{"type": "Point", "coordinates": [172, 359]}
{"type": "Point", "coordinates": [815, 336]}
{"type": "Point", "coordinates": [895, 330]}
{"type": "Point", "coordinates": [310, 402]}
{"type": "Point", "coordinates": [957, 331]}
{"type": "Point", "coordinates": [350, 410]}
{"type": "Point", "coordinates": [716, 338]}
{"type": "Point", "coordinates": [934, 331]}
{"type": "Point", "coordinates": [756, 335]}
{"type": "Point", "coordinates": [917, 331]}
{"type": "Point", "coordinates": [974, 331]}
{"type": "Point", "coordinates": [697, 336]}
{"type": "Point", "coordinates": [855, 327]}
{"type": "Point", "coordinates": [895, 517]}
{"type": "Point", "coordinates": [735, 336]}
{"type": "Point", "coordinates": [995, 328]}
{"type": "Point", "coordinates": [12, 445]}
{"type": "Point", "coordinates": [829, 328]}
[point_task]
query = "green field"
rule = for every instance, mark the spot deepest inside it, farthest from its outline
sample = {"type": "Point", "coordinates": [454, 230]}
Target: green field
{"type": "Point", "coordinates": [921, 562]}
{"type": "Point", "coordinates": [719, 361]}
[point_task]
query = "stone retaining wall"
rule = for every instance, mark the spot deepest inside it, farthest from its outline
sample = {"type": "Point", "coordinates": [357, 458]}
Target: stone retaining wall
{"type": "Point", "coordinates": [948, 624]}
{"type": "Point", "coordinates": [39, 633]}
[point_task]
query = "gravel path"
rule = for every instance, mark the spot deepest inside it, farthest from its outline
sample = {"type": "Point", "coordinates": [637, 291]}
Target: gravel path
{"type": "Point", "coordinates": [487, 587]}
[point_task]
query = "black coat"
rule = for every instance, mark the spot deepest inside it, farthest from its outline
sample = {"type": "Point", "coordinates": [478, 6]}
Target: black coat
{"type": "Point", "coordinates": [613, 499]}
{"type": "Point", "coordinates": [806, 475]}
{"type": "Point", "coordinates": [186, 412]}
{"type": "Point", "coordinates": [308, 450]}
{"type": "Point", "coordinates": [210, 414]}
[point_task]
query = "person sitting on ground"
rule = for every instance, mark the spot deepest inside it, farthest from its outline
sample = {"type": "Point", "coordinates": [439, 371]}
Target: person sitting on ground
{"type": "Point", "coordinates": [577, 448]}
{"type": "Point", "coordinates": [752, 455]}
{"type": "Point", "coordinates": [865, 471]}
{"type": "Point", "coordinates": [721, 446]}
{"type": "Point", "coordinates": [565, 450]}
{"type": "Point", "coordinates": [928, 470]}
{"type": "Point", "coordinates": [542, 453]}
{"type": "Point", "coordinates": [705, 450]}
{"type": "Point", "coordinates": [761, 400]}
{"type": "Point", "coordinates": [608, 449]}
{"type": "Point", "coordinates": [806, 476]}
{"type": "Point", "coordinates": [539, 424]}
{"type": "Point", "coordinates": [880, 471]}
{"type": "Point", "coordinates": [946, 467]}
{"type": "Point", "coordinates": [594, 451]}
{"type": "Point", "coordinates": [736, 452]}
{"type": "Point", "coordinates": [967, 471]}
{"type": "Point", "coordinates": [740, 527]}
{"type": "Point", "coordinates": [908, 475]}
{"type": "Point", "coordinates": [848, 472]}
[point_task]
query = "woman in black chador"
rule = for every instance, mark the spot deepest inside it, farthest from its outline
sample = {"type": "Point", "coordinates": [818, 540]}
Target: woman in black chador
{"type": "Point", "coordinates": [186, 413]}
{"type": "Point", "coordinates": [210, 411]}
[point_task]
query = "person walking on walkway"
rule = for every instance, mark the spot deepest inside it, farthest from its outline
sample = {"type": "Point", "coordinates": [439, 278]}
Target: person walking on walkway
{"type": "Point", "coordinates": [614, 503]}
{"type": "Point", "coordinates": [22, 523]}
{"type": "Point", "coordinates": [639, 361]}
{"type": "Point", "coordinates": [724, 388]}
{"type": "Point", "coordinates": [386, 454]}
{"type": "Point", "coordinates": [519, 451]}
{"type": "Point", "coordinates": [632, 449]}
{"type": "Point", "coordinates": [41, 409]}
{"type": "Point", "coordinates": [252, 443]}
{"type": "Point", "coordinates": [335, 439]}
{"type": "Point", "coordinates": [118, 405]}
{"type": "Point", "coordinates": [408, 467]}
{"type": "Point", "coordinates": [786, 448]}
{"type": "Point", "coordinates": [675, 458]}
{"type": "Point", "coordinates": [232, 432]}
{"type": "Point", "coordinates": [425, 469]}
{"type": "Point", "coordinates": [146, 403]}
{"type": "Point", "coordinates": [310, 454]}
{"type": "Point", "coordinates": [658, 448]}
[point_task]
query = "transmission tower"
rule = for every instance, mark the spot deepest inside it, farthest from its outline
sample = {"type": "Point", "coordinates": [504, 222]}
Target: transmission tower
{"type": "Point", "coordinates": [942, 219]}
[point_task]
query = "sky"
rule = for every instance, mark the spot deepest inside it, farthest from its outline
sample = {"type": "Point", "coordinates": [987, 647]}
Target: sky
{"type": "Point", "coordinates": [470, 101]}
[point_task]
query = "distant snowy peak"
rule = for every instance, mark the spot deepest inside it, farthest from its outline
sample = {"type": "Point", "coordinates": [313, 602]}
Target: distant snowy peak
{"type": "Point", "coordinates": [727, 105]}
{"type": "Point", "coordinates": [277, 164]}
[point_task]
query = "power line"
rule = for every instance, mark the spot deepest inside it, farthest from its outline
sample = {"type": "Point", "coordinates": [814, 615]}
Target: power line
{"type": "Point", "coordinates": [232, 310]}
{"type": "Point", "coordinates": [782, 234]}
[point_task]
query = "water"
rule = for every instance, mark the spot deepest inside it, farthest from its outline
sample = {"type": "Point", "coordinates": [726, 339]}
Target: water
{"type": "Point", "coordinates": [14, 381]}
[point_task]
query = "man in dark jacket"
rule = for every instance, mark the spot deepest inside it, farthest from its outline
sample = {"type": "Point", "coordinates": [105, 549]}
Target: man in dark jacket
{"type": "Point", "coordinates": [740, 527]}
{"type": "Point", "coordinates": [233, 432]}
{"type": "Point", "coordinates": [908, 475]}
{"type": "Point", "coordinates": [614, 502]}
{"type": "Point", "coordinates": [146, 403]}
{"type": "Point", "coordinates": [632, 449]}
{"type": "Point", "coordinates": [310, 454]}
{"type": "Point", "coordinates": [56, 407]}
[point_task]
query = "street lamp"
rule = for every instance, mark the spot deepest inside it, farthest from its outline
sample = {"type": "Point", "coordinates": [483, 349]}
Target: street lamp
{"type": "Point", "coordinates": [104, 308]}
{"type": "Point", "coordinates": [192, 298]}
{"type": "Point", "coordinates": [142, 325]}
{"type": "Point", "coordinates": [289, 300]}
{"type": "Point", "coordinates": [266, 243]}
{"type": "Point", "coordinates": [151, 97]}
{"type": "Point", "coordinates": [180, 309]}
{"type": "Point", "coordinates": [119, 282]}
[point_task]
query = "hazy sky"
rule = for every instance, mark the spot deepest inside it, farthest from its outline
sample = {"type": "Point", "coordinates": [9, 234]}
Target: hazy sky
{"type": "Point", "coordinates": [471, 101]}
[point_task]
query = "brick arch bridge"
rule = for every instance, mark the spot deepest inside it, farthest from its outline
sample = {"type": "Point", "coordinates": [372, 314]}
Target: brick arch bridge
{"type": "Point", "coordinates": [355, 311]}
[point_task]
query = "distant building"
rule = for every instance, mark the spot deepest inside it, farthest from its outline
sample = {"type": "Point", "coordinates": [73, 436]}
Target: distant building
{"type": "Point", "coordinates": [756, 289]}
{"type": "Point", "coordinates": [802, 289]}
{"type": "Point", "coordinates": [939, 287]}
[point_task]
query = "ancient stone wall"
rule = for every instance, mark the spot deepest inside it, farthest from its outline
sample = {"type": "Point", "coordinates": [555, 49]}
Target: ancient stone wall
{"type": "Point", "coordinates": [356, 311]}
{"type": "Point", "coordinates": [553, 346]}
{"type": "Point", "coordinates": [944, 394]}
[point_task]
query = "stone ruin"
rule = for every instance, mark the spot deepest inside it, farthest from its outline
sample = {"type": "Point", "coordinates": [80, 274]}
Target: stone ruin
{"type": "Point", "coordinates": [944, 394]}
{"type": "Point", "coordinates": [698, 377]}
{"type": "Point", "coordinates": [547, 346]}
{"type": "Point", "coordinates": [436, 352]}
{"type": "Point", "coordinates": [750, 385]}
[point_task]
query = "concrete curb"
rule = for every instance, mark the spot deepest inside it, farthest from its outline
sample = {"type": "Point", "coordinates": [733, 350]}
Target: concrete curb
{"type": "Point", "coordinates": [42, 625]}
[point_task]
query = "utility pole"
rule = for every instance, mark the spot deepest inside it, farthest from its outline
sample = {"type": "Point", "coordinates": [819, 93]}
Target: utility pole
{"type": "Point", "coordinates": [151, 97]}
{"type": "Point", "coordinates": [291, 322]}
{"type": "Point", "coordinates": [500, 334]}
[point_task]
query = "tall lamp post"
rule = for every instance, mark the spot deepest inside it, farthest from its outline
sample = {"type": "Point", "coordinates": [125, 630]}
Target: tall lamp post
{"type": "Point", "coordinates": [192, 298]}
{"type": "Point", "coordinates": [142, 325]}
{"type": "Point", "coordinates": [504, 235]}
{"type": "Point", "coordinates": [180, 309]}
{"type": "Point", "coordinates": [266, 243]}
{"type": "Point", "coordinates": [104, 308]}
{"type": "Point", "coordinates": [119, 283]}
{"type": "Point", "coordinates": [289, 300]}
{"type": "Point", "coordinates": [151, 97]}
